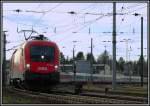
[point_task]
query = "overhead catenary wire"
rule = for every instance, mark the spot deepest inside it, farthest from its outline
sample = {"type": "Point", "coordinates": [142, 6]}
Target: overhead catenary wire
{"type": "Point", "coordinates": [58, 4]}
{"type": "Point", "coordinates": [73, 12]}
{"type": "Point", "coordinates": [36, 22]}
{"type": "Point", "coordinates": [45, 14]}
{"type": "Point", "coordinates": [85, 25]}
{"type": "Point", "coordinates": [134, 10]}
{"type": "Point", "coordinates": [13, 48]}
{"type": "Point", "coordinates": [130, 23]}
{"type": "Point", "coordinates": [122, 18]}
{"type": "Point", "coordinates": [133, 6]}
{"type": "Point", "coordinates": [109, 14]}
{"type": "Point", "coordinates": [80, 25]}
{"type": "Point", "coordinates": [33, 13]}
{"type": "Point", "coordinates": [90, 22]}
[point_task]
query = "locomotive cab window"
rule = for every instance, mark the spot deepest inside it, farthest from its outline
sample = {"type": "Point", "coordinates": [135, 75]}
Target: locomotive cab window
{"type": "Point", "coordinates": [42, 54]}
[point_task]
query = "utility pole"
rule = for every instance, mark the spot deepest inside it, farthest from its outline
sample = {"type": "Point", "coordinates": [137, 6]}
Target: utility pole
{"type": "Point", "coordinates": [4, 60]}
{"type": "Point", "coordinates": [91, 59]}
{"type": "Point", "coordinates": [114, 46]}
{"type": "Point", "coordinates": [141, 51]}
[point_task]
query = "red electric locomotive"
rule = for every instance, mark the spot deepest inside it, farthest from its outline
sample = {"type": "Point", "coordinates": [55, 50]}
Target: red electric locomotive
{"type": "Point", "coordinates": [34, 62]}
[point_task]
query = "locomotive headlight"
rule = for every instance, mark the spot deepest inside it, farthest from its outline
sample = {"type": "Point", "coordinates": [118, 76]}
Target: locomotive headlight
{"type": "Point", "coordinates": [42, 57]}
{"type": "Point", "coordinates": [28, 66]}
{"type": "Point", "coordinates": [56, 66]}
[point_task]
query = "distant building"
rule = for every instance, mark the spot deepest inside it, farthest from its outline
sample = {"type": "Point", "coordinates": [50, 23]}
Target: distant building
{"type": "Point", "coordinates": [84, 67]}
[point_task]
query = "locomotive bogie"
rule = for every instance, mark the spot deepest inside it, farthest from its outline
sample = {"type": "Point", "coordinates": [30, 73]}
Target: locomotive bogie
{"type": "Point", "coordinates": [52, 77]}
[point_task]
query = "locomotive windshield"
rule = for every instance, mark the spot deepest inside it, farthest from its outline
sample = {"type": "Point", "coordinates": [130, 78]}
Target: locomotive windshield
{"type": "Point", "coordinates": [42, 53]}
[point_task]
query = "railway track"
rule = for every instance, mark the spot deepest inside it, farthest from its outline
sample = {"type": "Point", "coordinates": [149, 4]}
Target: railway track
{"type": "Point", "coordinates": [143, 100]}
{"type": "Point", "coordinates": [67, 98]}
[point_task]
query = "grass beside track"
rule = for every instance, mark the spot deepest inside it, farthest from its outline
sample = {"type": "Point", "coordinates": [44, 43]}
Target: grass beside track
{"type": "Point", "coordinates": [13, 98]}
{"type": "Point", "coordinates": [10, 98]}
{"type": "Point", "coordinates": [133, 90]}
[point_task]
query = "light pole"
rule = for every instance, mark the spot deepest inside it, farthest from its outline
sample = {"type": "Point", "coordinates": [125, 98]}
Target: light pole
{"type": "Point", "coordinates": [105, 54]}
{"type": "Point", "coordinates": [4, 60]}
{"type": "Point", "coordinates": [130, 68]}
{"type": "Point", "coordinates": [141, 62]}
{"type": "Point", "coordinates": [63, 60]}
{"type": "Point", "coordinates": [74, 69]}
{"type": "Point", "coordinates": [104, 59]}
{"type": "Point", "coordinates": [127, 63]}
{"type": "Point", "coordinates": [142, 57]}
{"type": "Point", "coordinates": [126, 41]}
{"type": "Point", "coordinates": [91, 60]}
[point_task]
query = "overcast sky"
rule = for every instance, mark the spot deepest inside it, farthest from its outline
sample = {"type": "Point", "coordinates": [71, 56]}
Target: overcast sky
{"type": "Point", "coordinates": [46, 17]}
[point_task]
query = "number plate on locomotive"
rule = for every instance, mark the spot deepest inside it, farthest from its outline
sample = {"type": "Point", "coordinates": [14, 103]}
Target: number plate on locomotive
{"type": "Point", "coordinates": [42, 68]}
